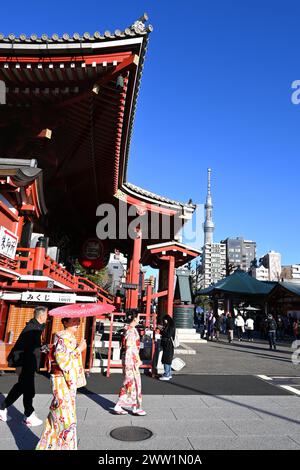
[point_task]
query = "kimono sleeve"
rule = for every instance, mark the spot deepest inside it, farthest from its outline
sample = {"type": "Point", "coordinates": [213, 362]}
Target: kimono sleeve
{"type": "Point", "coordinates": [64, 355]}
{"type": "Point", "coordinates": [132, 349]}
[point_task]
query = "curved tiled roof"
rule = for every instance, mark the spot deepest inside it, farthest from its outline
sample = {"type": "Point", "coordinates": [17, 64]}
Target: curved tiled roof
{"type": "Point", "coordinates": [44, 44]}
{"type": "Point", "coordinates": [156, 197]}
{"type": "Point", "coordinates": [137, 29]}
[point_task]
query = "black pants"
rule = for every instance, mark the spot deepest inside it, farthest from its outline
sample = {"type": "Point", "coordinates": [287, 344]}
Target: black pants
{"type": "Point", "coordinates": [25, 387]}
{"type": "Point", "coordinates": [272, 338]}
{"type": "Point", "coordinates": [249, 334]}
{"type": "Point", "coordinates": [240, 332]}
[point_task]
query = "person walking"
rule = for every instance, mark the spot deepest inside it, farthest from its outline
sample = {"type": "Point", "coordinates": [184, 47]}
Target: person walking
{"type": "Point", "coordinates": [224, 321]}
{"type": "Point", "coordinates": [230, 327]}
{"type": "Point", "coordinates": [131, 392]}
{"type": "Point", "coordinates": [167, 342]}
{"type": "Point", "coordinates": [218, 327]}
{"type": "Point", "coordinates": [295, 328]}
{"type": "Point", "coordinates": [249, 326]}
{"type": "Point", "coordinates": [271, 329]}
{"type": "Point", "coordinates": [25, 356]}
{"type": "Point", "coordinates": [280, 328]}
{"type": "Point", "coordinates": [240, 324]}
{"type": "Point", "coordinates": [67, 374]}
{"type": "Point", "coordinates": [210, 326]}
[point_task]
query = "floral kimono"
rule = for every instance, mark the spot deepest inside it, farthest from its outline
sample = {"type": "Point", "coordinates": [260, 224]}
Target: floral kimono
{"type": "Point", "coordinates": [131, 391]}
{"type": "Point", "coordinates": [67, 374]}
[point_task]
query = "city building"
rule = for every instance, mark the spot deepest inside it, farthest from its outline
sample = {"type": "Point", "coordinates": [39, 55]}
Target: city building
{"type": "Point", "coordinates": [272, 262]}
{"type": "Point", "coordinates": [291, 273]}
{"type": "Point", "coordinates": [260, 273]}
{"type": "Point", "coordinates": [213, 264]}
{"type": "Point", "coordinates": [116, 270]}
{"type": "Point", "coordinates": [151, 281]}
{"type": "Point", "coordinates": [240, 254]}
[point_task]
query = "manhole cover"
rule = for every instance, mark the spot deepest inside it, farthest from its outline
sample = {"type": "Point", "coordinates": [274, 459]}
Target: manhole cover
{"type": "Point", "coordinates": [131, 433]}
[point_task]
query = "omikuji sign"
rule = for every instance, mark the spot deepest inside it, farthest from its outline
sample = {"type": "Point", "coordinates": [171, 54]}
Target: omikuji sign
{"type": "Point", "coordinates": [48, 297]}
{"type": "Point", "coordinates": [8, 243]}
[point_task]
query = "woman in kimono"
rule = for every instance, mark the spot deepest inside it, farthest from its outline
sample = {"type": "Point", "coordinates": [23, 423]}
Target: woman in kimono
{"type": "Point", "coordinates": [131, 392]}
{"type": "Point", "coordinates": [67, 374]}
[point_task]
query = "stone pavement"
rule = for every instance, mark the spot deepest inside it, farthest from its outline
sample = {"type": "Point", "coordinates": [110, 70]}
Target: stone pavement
{"type": "Point", "coordinates": [216, 402]}
{"type": "Point", "coordinates": [187, 422]}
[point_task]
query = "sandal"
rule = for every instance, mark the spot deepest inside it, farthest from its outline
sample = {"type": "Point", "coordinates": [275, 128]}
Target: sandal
{"type": "Point", "coordinates": [139, 412]}
{"type": "Point", "coordinates": [119, 412]}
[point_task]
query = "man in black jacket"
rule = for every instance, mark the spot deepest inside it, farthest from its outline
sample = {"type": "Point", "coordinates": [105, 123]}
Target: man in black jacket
{"type": "Point", "coordinates": [25, 357]}
{"type": "Point", "coordinates": [271, 328]}
{"type": "Point", "coordinates": [229, 327]}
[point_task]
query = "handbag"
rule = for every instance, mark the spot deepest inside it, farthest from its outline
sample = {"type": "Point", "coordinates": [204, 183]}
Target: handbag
{"type": "Point", "coordinates": [175, 340]}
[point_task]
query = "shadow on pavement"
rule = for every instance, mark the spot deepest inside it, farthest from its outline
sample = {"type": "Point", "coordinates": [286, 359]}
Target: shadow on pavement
{"type": "Point", "coordinates": [24, 438]}
{"type": "Point", "coordinates": [101, 401]}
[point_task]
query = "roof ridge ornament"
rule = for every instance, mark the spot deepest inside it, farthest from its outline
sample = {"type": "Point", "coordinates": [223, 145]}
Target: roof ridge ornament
{"type": "Point", "coordinates": [139, 25]}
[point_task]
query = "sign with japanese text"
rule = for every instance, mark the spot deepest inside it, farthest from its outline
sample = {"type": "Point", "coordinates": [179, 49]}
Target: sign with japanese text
{"type": "Point", "coordinates": [130, 286]}
{"type": "Point", "coordinates": [48, 297]}
{"type": "Point", "coordinates": [8, 243]}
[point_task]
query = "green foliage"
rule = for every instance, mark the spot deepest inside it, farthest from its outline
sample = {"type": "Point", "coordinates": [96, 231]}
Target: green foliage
{"type": "Point", "coordinates": [101, 277]}
{"type": "Point", "coordinates": [203, 301]}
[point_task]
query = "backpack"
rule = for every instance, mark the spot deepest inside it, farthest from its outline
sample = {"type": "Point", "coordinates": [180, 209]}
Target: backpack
{"type": "Point", "coordinates": [175, 340]}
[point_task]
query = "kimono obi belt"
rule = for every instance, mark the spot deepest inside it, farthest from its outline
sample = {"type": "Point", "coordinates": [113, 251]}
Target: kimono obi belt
{"type": "Point", "coordinates": [56, 370]}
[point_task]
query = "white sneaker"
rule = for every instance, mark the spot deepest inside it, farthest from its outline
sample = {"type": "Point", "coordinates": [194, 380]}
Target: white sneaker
{"type": "Point", "coordinates": [166, 379]}
{"type": "Point", "coordinates": [3, 415]}
{"type": "Point", "coordinates": [32, 420]}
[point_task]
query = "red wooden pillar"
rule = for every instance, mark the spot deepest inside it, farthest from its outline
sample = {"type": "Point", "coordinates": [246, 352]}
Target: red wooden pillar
{"type": "Point", "coordinates": [171, 286]}
{"type": "Point", "coordinates": [128, 280]}
{"type": "Point", "coordinates": [20, 228]}
{"type": "Point", "coordinates": [135, 274]}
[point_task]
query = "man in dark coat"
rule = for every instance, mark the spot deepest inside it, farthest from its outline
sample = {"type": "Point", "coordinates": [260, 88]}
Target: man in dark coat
{"type": "Point", "coordinates": [271, 328]}
{"type": "Point", "coordinates": [25, 357]}
{"type": "Point", "coordinates": [230, 327]}
{"type": "Point", "coordinates": [167, 337]}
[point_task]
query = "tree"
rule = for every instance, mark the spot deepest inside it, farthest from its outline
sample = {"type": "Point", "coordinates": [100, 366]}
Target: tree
{"type": "Point", "coordinates": [100, 278]}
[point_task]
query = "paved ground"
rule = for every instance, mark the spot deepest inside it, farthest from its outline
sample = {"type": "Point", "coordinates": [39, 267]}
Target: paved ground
{"type": "Point", "coordinates": [229, 407]}
{"type": "Point", "coordinates": [241, 358]}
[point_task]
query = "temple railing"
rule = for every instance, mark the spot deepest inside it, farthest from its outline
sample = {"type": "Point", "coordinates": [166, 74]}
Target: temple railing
{"type": "Point", "coordinates": [25, 263]}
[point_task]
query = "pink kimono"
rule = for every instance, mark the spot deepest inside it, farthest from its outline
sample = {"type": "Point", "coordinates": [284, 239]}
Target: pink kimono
{"type": "Point", "coordinates": [131, 391]}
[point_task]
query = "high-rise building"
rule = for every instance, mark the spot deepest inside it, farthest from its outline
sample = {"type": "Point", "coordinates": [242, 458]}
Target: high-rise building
{"type": "Point", "coordinates": [213, 264]}
{"type": "Point", "coordinates": [240, 254]}
{"type": "Point", "coordinates": [272, 261]}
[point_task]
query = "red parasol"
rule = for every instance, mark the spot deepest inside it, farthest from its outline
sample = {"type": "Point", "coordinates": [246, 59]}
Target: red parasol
{"type": "Point", "coordinates": [82, 310]}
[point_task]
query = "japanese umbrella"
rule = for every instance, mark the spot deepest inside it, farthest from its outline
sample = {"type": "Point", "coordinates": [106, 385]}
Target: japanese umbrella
{"type": "Point", "coordinates": [82, 310]}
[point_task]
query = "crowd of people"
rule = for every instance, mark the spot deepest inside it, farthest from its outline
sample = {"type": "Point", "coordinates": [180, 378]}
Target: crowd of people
{"type": "Point", "coordinates": [245, 326]}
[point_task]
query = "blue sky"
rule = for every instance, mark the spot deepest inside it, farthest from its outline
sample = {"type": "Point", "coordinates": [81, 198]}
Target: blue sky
{"type": "Point", "coordinates": [216, 92]}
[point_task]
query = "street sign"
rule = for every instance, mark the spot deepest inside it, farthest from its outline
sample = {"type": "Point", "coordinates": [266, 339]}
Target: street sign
{"type": "Point", "coordinates": [46, 297]}
{"type": "Point", "coordinates": [130, 286]}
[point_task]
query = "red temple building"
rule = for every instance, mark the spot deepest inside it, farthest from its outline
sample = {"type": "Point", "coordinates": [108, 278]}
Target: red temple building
{"type": "Point", "coordinates": [65, 133]}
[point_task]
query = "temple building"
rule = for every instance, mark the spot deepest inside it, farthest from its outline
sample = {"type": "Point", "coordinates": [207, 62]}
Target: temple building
{"type": "Point", "coordinates": [65, 133]}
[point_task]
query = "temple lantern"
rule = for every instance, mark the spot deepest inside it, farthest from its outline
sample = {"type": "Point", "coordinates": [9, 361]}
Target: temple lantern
{"type": "Point", "coordinates": [94, 254]}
